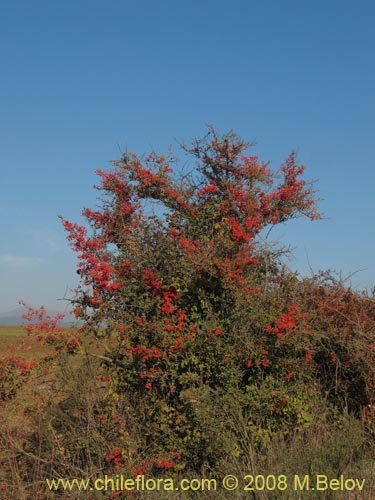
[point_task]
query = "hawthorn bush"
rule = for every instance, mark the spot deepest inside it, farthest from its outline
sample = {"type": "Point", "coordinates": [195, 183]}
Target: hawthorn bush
{"type": "Point", "coordinates": [203, 324]}
{"type": "Point", "coordinates": [199, 351]}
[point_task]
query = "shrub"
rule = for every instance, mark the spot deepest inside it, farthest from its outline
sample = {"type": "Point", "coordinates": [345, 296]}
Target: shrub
{"type": "Point", "coordinates": [186, 296]}
{"type": "Point", "coordinates": [212, 354]}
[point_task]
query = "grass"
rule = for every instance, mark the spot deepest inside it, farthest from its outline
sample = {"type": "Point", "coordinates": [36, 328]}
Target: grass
{"type": "Point", "coordinates": [59, 409]}
{"type": "Point", "coordinates": [11, 336]}
{"type": "Point", "coordinates": [11, 331]}
{"type": "Point", "coordinates": [14, 338]}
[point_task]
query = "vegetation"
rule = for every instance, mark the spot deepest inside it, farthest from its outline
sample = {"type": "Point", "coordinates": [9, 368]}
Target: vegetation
{"type": "Point", "coordinates": [200, 354]}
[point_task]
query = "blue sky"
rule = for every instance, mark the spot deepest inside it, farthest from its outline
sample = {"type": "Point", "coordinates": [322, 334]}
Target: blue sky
{"type": "Point", "coordinates": [82, 80]}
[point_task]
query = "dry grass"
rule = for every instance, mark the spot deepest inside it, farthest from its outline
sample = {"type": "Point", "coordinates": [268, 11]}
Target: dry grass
{"type": "Point", "coordinates": [30, 421]}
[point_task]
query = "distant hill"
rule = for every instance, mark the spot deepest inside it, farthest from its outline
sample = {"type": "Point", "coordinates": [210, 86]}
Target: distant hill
{"type": "Point", "coordinates": [14, 317]}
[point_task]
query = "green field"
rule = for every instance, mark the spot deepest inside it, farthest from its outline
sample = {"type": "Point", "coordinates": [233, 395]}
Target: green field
{"type": "Point", "coordinates": [11, 331]}
{"type": "Point", "coordinates": [12, 336]}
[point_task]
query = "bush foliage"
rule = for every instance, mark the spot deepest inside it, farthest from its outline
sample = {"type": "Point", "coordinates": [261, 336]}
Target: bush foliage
{"type": "Point", "coordinates": [208, 352]}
